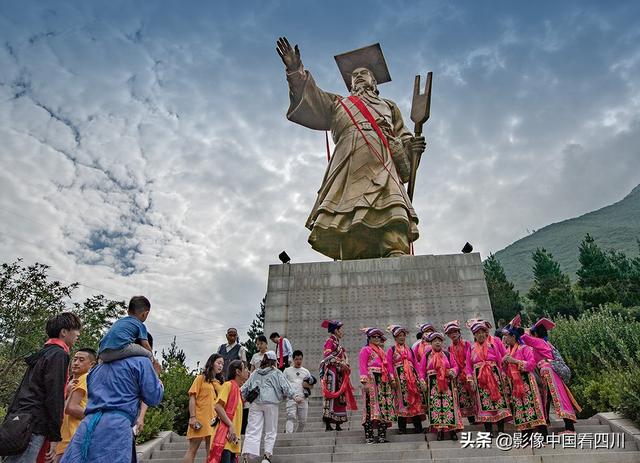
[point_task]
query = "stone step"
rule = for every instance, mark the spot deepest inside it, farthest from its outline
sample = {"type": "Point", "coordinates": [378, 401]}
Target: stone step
{"type": "Point", "coordinates": [568, 457]}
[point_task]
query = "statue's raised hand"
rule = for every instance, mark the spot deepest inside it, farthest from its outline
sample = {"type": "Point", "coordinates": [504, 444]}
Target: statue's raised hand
{"type": "Point", "coordinates": [290, 56]}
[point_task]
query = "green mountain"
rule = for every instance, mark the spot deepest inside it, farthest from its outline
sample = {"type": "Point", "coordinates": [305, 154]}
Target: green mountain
{"type": "Point", "coordinates": [616, 226]}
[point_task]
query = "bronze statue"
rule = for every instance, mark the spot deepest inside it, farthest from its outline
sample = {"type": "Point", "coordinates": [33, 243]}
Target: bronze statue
{"type": "Point", "coordinates": [362, 210]}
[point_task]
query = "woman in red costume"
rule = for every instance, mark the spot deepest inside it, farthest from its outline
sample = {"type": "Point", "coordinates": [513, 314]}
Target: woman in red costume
{"type": "Point", "coordinates": [337, 391]}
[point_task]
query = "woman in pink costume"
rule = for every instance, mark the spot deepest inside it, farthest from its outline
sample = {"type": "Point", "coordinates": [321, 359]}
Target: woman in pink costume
{"type": "Point", "coordinates": [553, 388]}
{"type": "Point", "coordinates": [486, 378]}
{"type": "Point", "coordinates": [460, 349]}
{"type": "Point", "coordinates": [421, 348]}
{"type": "Point", "coordinates": [376, 376]}
{"type": "Point", "coordinates": [408, 394]}
{"type": "Point", "coordinates": [524, 396]}
{"type": "Point", "coordinates": [439, 371]}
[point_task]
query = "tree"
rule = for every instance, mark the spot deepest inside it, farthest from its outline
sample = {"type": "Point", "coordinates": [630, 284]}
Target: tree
{"type": "Point", "coordinates": [596, 268]}
{"type": "Point", "coordinates": [551, 291]}
{"type": "Point", "coordinates": [607, 276]}
{"type": "Point", "coordinates": [177, 380]}
{"type": "Point", "coordinates": [174, 356]}
{"type": "Point", "coordinates": [505, 299]}
{"type": "Point", "coordinates": [28, 298]}
{"type": "Point", "coordinates": [256, 329]}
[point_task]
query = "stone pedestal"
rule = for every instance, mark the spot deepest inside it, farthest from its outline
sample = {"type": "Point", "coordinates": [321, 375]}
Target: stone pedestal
{"type": "Point", "coordinates": [372, 292]}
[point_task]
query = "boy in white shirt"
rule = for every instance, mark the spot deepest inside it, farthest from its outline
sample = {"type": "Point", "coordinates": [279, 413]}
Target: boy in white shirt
{"type": "Point", "coordinates": [301, 381]}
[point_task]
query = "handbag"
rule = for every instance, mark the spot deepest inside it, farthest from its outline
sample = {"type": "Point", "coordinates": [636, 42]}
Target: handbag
{"type": "Point", "coordinates": [559, 366]}
{"type": "Point", "coordinates": [252, 394]}
{"type": "Point", "coordinates": [15, 434]}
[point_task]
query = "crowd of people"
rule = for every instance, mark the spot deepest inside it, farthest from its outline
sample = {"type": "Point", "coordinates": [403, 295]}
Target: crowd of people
{"type": "Point", "coordinates": [514, 375]}
{"type": "Point", "coordinates": [91, 410]}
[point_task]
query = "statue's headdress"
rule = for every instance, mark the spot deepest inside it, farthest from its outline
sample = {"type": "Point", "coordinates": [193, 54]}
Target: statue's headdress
{"type": "Point", "coordinates": [370, 57]}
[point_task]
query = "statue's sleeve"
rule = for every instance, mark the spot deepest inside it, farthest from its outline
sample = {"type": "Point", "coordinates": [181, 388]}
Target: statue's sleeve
{"type": "Point", "coordinates": [401, 157]}
{"type": "Point", "coordinates": [309, 105]}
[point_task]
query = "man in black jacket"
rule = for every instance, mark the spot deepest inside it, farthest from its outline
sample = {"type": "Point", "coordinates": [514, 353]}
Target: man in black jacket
{"type": "Point", "coordinates": [41, 392]}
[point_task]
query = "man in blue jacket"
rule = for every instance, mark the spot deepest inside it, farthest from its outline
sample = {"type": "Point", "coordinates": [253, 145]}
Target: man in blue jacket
{"type": "Point", "coordinates": [115, 391]}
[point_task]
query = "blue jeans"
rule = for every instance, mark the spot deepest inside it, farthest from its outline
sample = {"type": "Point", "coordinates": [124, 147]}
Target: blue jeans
{"type": "Point", "coordinates": [30, 455]}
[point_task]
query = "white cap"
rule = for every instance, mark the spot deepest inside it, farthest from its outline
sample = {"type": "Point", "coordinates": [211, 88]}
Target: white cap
{"type": "Point", "coordinates": [271, 355]}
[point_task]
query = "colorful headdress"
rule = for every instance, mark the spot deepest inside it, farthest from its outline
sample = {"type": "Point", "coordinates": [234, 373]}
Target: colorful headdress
{"type": "Point", "coordinates": [477, 326]}
{"type": "Point", "coordinates": [515, 321]}
{"type": "Point", "coordinates": [395, 330]}
{"type": "Point", "coordinates": [425, 326]}
{"type": "Point", "coordinates": [548, 324]}
{"type": "Point", "coordinates": [450, 326]}
{"type": "Point", "coordinates": [514, 331]}
{"type": "Point", "coordinates": [372, 331]}
{"type": "Point", "coordinates": [331, 325]}
{"type": "Point", "coordinates": [434, 335]}
{"type": "Point", "coordinates": [470, 323]}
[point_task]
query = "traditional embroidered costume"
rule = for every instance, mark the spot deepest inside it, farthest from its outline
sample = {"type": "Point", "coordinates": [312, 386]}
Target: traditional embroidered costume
{"type": "Point", "coordinates": [461, 352]}
{"type": "Point", "coordinates": [408, 394]}
{"type": "Point", "coordinates": [337, 391]}
{"type": "Point", "coordinates": [439, 372]}
{"type": "Point", "coordinates": [553, 388]}
{"type": "Point", "coordinates": [522, 389]}
{"type": "Point", "coordinates": [376, 376]}
{"type": "Point", "coordinates": [420, 349]}
{"type": "Point", "coordinates": [486, 373]}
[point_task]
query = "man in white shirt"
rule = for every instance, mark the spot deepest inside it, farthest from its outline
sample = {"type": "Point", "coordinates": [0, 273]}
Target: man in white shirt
{"type": "Point", "coordinates": [300, 380]}
{"type": "Point", "coordinates": [284, 351]}
{"type": "Point", "coordinates": [256, 360]}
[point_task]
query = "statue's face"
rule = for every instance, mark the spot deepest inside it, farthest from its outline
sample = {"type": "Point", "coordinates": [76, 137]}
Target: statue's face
{"type": "Point", "coordinates": [362, 77]}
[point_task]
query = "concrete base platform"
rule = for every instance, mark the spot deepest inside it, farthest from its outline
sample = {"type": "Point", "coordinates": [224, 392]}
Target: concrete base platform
{"type": "Point", "coordinates": [372, 292]}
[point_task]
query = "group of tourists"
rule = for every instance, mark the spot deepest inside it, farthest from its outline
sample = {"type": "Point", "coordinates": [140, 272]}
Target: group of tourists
{"type": "Point", "coordinates": [91, 411]}
{"type": "Point", "coordinates": [513, 375]}
{"type": "Point", "coordinates": [234, 397]}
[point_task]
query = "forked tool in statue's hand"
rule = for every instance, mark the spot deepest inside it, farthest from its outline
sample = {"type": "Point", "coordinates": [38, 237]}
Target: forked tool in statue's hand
{"type": "Point", "coordinates": [420, 111]}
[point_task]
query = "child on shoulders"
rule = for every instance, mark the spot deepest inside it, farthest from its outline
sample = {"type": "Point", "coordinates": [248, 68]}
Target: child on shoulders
{"type": "Point", "coordinates": [128, 336]}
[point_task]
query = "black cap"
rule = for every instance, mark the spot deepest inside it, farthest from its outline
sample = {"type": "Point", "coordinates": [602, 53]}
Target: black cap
{"type": "Point", "coordinates": [467, 248]}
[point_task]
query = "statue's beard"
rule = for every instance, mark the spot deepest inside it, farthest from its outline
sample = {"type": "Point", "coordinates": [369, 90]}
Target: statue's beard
{"type": "Point", "coordinates": [363, 88]}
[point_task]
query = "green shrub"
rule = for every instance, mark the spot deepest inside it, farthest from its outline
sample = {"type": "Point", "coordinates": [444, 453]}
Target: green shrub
{"type": "Point", "coordinates": [177, 380]}
{"type": "Point", "coordinates": [630, 394]}
{"type": "Point", "coordinates": [157, 419]}
{"type": "Point", "coordinates": [602, 347]}
{"type": "Point", "coordinates": [3, 412]}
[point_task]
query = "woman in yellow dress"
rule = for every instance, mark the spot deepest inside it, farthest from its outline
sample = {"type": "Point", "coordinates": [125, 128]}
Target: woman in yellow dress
{"type": "Point", "coordinates": [203, 396]}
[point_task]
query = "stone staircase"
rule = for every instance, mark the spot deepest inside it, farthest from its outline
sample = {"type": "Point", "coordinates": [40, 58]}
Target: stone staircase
{"type": "Point", "coordinates": [318, 446]}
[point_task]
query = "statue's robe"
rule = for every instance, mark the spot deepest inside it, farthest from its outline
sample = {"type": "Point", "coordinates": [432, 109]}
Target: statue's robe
{"type": "Point", "coordinates": [360, 198]}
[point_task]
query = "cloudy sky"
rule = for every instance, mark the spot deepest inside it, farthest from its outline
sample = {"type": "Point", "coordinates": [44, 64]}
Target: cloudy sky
{"type": "Point", "coordinates": [144, 147]}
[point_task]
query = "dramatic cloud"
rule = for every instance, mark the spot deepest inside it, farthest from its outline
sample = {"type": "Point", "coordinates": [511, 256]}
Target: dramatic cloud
{"type": "Point", "coordinates": [145, 150]}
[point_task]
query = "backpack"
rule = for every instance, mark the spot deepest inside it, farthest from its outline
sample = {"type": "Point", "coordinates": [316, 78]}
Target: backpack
{"type": "Point", "coordinates": [559, 365]}
{"type": "Point", "coordinates": [15, 434]}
